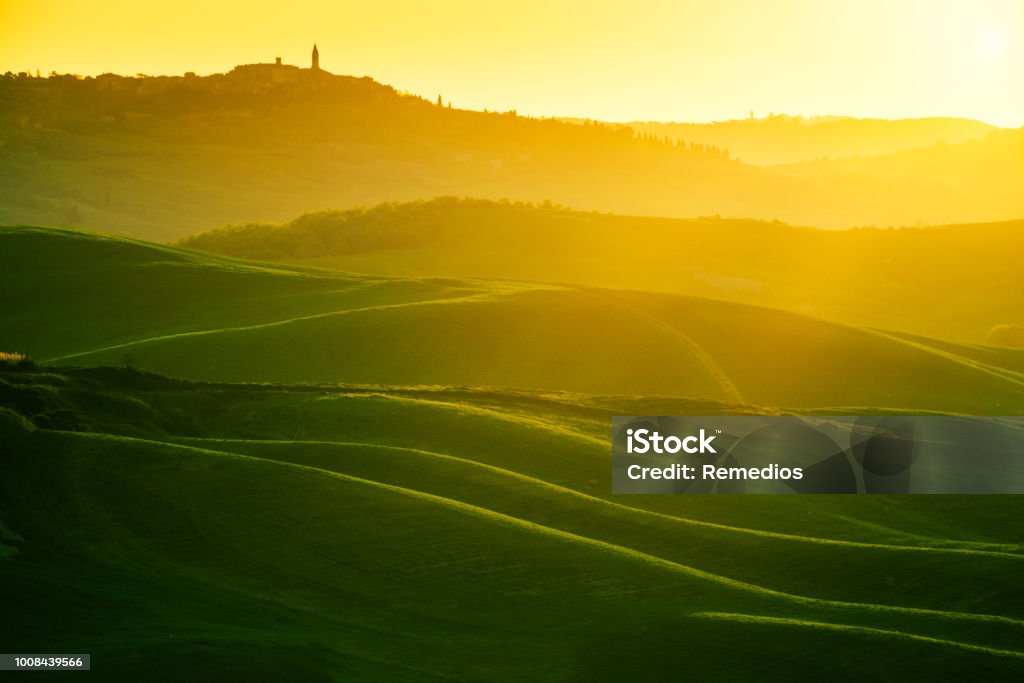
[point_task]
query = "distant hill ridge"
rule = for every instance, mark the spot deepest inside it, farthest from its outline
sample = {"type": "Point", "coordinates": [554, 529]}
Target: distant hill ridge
{"type": "Point", "coordinates": [162, 157]}
{"type": "Point", "coordinates": [958, 282]}
{"type": "Point", "coordinates": [779, 139]}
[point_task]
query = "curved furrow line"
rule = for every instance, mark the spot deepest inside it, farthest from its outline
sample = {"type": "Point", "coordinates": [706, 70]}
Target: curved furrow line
{"type": "Point", "coordinates": [275, 323]}
{"type": "Point", "coordinates": [1000, 373]}
{"type": "Point", "coordinates": [973, 550]}
{"type": "Point", "coordinates": [848, 628]}
{"type": "Point", "coordinates": [518, 419]}
{"type": "Point", "coordinates": [511, 521]}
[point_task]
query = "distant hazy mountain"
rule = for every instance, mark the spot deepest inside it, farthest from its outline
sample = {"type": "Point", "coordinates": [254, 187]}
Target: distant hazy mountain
{"type": "Point", "coordinates": [789, 139]}
{"type": "Point", "coordinates": [991, 167]}
{"type": "Point", "coordinates": [164, 157]}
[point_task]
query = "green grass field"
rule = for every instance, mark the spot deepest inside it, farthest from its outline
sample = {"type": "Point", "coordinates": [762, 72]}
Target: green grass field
{"type": "Point", "coordinates": [319, 476]}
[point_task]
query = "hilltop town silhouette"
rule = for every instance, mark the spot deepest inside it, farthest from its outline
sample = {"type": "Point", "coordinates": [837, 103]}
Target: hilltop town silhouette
{"type": "Point", "coordinates": [277, 71]}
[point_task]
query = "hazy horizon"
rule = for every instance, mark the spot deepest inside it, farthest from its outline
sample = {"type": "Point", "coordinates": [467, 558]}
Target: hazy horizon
{"type": "Point", "coordinates": [568, 59]}
{"type": "Point", "coordinates": [759, 116]}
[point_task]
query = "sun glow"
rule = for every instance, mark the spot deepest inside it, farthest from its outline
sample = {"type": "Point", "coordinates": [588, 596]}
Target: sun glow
{"type": "Point", "coordinates": [991, 43]}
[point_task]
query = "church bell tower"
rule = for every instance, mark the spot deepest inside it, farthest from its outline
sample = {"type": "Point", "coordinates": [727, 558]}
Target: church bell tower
{"type": "Point", "coordinates": [316, 59]}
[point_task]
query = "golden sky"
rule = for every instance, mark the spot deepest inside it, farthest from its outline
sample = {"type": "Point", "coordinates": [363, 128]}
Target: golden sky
{"type": "Point", "coordinates": [685, 60]}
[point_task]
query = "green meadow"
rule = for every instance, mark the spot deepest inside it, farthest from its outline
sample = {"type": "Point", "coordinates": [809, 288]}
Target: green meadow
{"type": "Point", "coordinates": [271, 471]}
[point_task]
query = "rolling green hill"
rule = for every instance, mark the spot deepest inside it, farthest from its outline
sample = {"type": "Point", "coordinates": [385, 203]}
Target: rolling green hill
{"type": "Point", "coordinates": [205, 317]}
{"type": "Point", "coordinates": [381, 478]}
{"type": "Point", "coordinates": [410, 534]}
{"type": "Point", "coordinates": [954, 282]}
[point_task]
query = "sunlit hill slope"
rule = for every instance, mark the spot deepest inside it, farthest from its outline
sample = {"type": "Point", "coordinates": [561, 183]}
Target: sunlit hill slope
{"type": "Point", "coordinates": [200, 316]}
{"type": "Point", "coordinates": [955, 282]}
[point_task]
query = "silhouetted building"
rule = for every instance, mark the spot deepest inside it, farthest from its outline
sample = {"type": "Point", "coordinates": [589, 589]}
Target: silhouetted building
{"type": "Point", "coordinates": [277, 71]}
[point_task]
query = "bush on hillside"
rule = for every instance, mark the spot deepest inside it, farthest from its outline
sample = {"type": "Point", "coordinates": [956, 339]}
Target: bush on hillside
{"type": "Point", "coordinates": [391, 225]}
